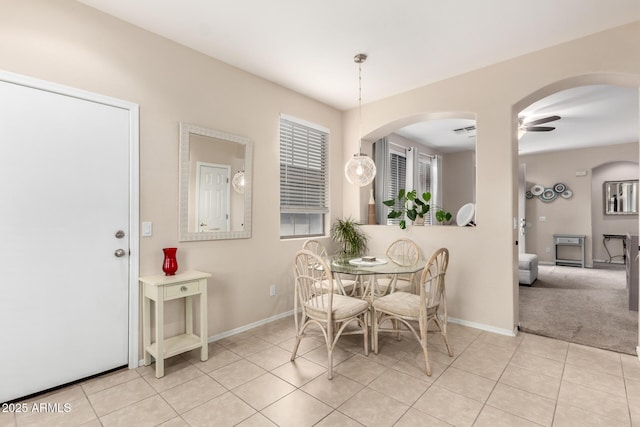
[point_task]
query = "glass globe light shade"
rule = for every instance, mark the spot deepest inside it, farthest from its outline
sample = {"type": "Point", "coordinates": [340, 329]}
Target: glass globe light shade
{"type": "Point", "coordinates": [360, 170]}
{"type": "Point", "coordinates": [238, 182]}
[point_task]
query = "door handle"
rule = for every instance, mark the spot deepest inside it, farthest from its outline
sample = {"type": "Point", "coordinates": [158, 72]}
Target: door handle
{"type": "Point", "coordinates": [120, 253]}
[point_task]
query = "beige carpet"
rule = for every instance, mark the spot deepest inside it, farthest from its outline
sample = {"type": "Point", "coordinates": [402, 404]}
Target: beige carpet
{"type": "Point", "coordinates": [584, 306]}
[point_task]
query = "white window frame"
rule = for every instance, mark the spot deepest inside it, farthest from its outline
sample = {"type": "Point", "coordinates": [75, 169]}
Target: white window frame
{"type": "Point", "coordinates": [303, 214]}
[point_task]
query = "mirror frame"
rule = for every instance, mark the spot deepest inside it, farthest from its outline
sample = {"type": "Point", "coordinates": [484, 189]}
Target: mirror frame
{"type": "Point", "coordinates": [183, 218]}
{"type": "Point", "coordinates": [605, 193]}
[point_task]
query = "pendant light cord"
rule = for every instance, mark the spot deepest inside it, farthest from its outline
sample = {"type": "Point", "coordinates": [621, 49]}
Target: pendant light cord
{"type": "Point", "coordinates": [359, 59]}
{"type": "Point", "coordinates": [360, 107]}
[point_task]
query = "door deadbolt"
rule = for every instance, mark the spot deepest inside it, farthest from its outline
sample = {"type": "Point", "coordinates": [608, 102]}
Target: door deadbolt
{"type": "Point", "coordinates": [119, 234]}
{"type": "Point", "coordinates": [120, 253]}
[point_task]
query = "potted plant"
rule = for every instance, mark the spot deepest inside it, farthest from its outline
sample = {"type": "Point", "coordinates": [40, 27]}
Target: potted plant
{"type": "Point", "coordinates": [443, 217]}
{"type": "Point", "coordinates": [347, 233]}
{"type": "Point", "coordinates": [412, 206]}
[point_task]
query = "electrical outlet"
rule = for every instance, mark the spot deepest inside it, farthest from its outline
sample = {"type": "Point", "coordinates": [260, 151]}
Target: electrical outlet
{"type": "Point", "coordinates": [272, 290]}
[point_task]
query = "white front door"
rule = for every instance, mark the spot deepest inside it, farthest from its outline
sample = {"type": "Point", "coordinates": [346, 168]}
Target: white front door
{"type": "Point", "coordinates": [213, 197]}
{"type": "Point", "coordinates": [64, 198]}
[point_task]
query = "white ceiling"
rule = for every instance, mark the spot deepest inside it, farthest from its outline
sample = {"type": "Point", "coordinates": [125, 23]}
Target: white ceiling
{"type": "Point", "coordinates": [308, 45]}
{"type": "Point", "coordinates": [591, 116]}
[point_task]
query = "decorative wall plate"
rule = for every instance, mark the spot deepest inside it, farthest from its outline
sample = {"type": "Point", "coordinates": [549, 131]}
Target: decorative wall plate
{"type": "Point", "coordinates": [548, 195]}
{"type": "Point", "coordinates": [537, 189]}
{"type": "Point", "coordinates": [567, 194]}
{"type": "Point", "coordinates": [559, 188]}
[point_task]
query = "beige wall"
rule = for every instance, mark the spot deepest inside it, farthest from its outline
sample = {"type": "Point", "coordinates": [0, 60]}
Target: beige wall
{"type": "Point", "coordinates": [67, 43]}
{"type": "Point", "coordinates": [482, 277]}
{"type": "Point", "coordinates": [583, 213]}
{"type": "Point", "coordinates": [458, 180]}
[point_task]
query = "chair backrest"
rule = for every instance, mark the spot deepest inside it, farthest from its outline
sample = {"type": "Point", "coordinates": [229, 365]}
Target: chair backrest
{"type": "Point", "coordinates": [432, 290]}
{"type": "Point", "coordinates": [315, 246]}
{"type": "Point", "coordinates": [403, 252]}
{"type": "Point", "coordinates": [311, 272]}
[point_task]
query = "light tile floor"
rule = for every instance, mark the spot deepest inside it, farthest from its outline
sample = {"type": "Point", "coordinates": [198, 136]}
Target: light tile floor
{"type": "Point", "coordinates": [248, 380]}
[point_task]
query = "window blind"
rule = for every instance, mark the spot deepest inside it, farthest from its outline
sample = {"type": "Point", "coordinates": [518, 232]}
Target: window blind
{"type": "Point", "coordinates": [424, 182]}
{"type": "Point", "coordinates": [397, 180]}
{"type": "Point", "coordinates": [303, 168]}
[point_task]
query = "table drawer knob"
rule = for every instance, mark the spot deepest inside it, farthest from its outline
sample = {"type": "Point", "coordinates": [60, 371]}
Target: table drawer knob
{"type": "Point", "coordinates": [183, 288]}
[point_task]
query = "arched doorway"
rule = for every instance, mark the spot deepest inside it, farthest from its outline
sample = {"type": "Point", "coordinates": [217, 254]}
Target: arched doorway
{"type": "Point", "coordinates": [541, 218]}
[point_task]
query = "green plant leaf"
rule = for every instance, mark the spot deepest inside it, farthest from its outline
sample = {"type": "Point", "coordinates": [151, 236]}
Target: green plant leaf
{"type": "Point", "coordinates": [401, 194]}
{"type": "Point", "coordinates": [417, 201]}
{"type": "Point", "coordinates": [411, 214]}
{"type": "Point", "coordinates": [351, 238]}
{"type": "Point", "coordinates": [426, 196]}
{"type": "Point", "coordinates": [389, 203]}
{"type": "Point", "coordinates": [394, 214]}
{"type": "Point", "coordinates": [411, 195]}
{"type": "Point", "coordinates": [403, 224]}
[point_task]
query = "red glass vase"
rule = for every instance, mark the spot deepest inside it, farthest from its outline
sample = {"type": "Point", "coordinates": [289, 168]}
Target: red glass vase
{"type": "Point", "coordinates": [170, 264]}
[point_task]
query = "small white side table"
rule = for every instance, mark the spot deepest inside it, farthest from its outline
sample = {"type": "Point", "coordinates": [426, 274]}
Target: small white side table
{"type": "Point", "coordinates": [161, 288]}
{"type": "Point", "coordinates": [569, 240]}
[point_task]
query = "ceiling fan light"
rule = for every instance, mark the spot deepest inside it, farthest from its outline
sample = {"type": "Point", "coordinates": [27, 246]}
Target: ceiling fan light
{"type": "Point", "coordinates": [360, 170]}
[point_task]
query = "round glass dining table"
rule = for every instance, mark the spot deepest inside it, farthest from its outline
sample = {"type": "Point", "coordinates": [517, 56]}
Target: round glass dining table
{"type": "Point", "coordinates": [366, 271]}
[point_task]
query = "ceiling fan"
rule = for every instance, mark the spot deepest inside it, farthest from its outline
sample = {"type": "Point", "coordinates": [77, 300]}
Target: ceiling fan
{"type": "Point", "coordinates": [533, 125]}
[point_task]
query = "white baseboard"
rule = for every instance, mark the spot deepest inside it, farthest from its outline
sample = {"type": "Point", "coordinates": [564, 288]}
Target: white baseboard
{"type": "Point", "coordinates": [481, 326]}
{"type": "Point", "coordinates": [638, 352]}
{"type": "Point", "coordinates": [241, 329]}
{"type": "Point", "coordinates": [245, 328]}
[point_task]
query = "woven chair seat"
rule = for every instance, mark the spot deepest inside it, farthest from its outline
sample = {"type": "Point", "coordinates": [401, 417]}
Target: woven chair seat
{"type": "Point", "coordinates": [343, 306]}
{"type": "Point", "coordinates": [400, 303]}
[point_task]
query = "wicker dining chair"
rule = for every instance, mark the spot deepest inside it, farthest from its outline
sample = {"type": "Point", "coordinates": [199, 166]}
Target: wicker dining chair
{"type": "Point", "coordinates": [401, 252]}
{"type": "Point", "coordinates": [402, 308]}
{"type": "Point", "coordinates": [344, 284]}
{"type": "Point", "coordinates": [331, 312]}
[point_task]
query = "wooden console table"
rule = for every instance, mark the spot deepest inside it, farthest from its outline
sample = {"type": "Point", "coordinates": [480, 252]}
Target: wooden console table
{"type": "Point", "coordinates": [161, 288]}
{"type": "Point", "coordinates": [569, 240]}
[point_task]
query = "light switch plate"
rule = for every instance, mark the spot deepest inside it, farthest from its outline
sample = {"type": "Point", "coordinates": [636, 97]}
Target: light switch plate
{"type": "Point", "coordinates": [147, 229]}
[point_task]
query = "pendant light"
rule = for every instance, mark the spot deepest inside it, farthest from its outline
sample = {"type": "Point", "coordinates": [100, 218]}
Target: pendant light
{"type": "Point", "coordinates": [238, 182]}
{"type": "Point", "coordinates": [360, 169]}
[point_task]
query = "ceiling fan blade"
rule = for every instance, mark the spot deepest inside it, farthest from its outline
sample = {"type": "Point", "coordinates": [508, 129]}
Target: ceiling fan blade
{"type": "Point", "coordinates": [542, 120]}
{"type": "Point", "coordinates": [538, 128]}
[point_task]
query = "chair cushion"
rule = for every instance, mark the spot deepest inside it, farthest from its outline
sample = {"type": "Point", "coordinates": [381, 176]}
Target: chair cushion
{"type": "Point", "coordinates": [343, 306]}
{"type": "Point", "coordinates": [401, 303]}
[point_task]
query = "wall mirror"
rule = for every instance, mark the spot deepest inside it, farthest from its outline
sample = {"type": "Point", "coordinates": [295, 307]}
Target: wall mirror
{"type": "Point", "coordinates": [215, 184]}
{"type": "Point", "coordinates": [620, 197]}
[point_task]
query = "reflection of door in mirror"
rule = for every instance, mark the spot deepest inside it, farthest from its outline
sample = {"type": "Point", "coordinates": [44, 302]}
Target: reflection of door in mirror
{"type": "Point", "coordinates": [212, 207]}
